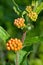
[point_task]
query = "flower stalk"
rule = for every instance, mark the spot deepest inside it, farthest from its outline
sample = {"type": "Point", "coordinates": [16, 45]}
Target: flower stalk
{"type": "Point", "coordinates": [17, 58]}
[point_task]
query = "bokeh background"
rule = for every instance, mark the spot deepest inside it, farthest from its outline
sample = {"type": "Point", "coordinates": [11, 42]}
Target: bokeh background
{"type": "Point", "coordinates": [34, 38]}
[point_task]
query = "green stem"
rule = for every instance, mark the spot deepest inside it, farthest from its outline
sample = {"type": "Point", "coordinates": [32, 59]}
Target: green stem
{"type": "Point", "coordinates": [17, 53]}
{"type": "Point", "coordinates": [17, 58]}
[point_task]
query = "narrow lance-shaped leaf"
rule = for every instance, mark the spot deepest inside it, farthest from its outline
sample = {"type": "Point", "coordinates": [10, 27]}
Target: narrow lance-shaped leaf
{"type": "Point", "coordinates": [16, 8]}
{"type": "Point", "coordinates": [39, 8]}
{"type": "Point", "coordinates": [16, 11]}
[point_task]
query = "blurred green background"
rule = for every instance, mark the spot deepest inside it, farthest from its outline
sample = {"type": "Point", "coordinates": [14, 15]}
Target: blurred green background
{"type": "Point", "coordinates": [34, 38]}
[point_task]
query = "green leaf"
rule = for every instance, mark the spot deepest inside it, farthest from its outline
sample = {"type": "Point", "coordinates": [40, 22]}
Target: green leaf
{"type": "Point", "coordinates": [31, 40]}
{"type": "Point", "coordinates": [22, 53]}
{"type": "Point", "coordinates": [24, 62]}
{"type": "Point", "coordinates": [16, 10]}
{"type": "Point", "coordinates": [25, 59]}
{"type": "Point", "coordinates": [3, 34]}
{"type": "Point", "coordinates": [39, 8]}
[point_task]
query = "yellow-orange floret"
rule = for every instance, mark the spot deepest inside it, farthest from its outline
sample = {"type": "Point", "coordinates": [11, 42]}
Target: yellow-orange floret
{"type": "Point", "coordinates": [14, 44]}
{"type": "Point", "coordinates": [33, 16]}
{"type": "Point", "coordinates": [28, 9]}
{"type": "Point", "coordinates": [19, 22]}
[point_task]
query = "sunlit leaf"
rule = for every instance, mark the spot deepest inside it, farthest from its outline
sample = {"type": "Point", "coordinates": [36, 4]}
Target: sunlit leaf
{"type": "Point", "coordinates": [3, 34]}
{"type": "Point", "coordinates": [39, 8]}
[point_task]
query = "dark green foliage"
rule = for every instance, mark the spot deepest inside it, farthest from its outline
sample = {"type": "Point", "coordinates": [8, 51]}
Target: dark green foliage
{"type": "Point", "coordinates": [32, 51]}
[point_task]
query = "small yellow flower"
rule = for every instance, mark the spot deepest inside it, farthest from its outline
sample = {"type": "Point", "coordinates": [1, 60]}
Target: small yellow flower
{"type": "Point", "coordinates": [14, 44]}
{"type": "Point", "coordinates": [19, 22]}
{"type": "Point", "coordinates": [33, 16]}
{"type": "Point", "coordinates": [28, 9]}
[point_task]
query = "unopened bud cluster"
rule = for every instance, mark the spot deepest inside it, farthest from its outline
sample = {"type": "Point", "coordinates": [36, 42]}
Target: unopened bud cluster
{"type": "Point", "coordinates": [14, 44]}
{"type": "Point", "coordinates": [19, 22]}
{"type": "Point", "coordinates": [33, 16]}
{"type": "Point", "coordinates": [28, 9]}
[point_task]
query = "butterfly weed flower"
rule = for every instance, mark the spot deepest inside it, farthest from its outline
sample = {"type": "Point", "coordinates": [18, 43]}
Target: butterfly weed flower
{"type": "Point", "coordinates": [19, 22]}
{"type": "Point", "coordinates": [33, 16]}
{"type": "Point", "coordinates": [14, 44]}
{"type": "Point", "coordinates": [28, 9]}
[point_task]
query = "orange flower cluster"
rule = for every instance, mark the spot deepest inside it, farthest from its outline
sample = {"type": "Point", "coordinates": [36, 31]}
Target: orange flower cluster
{"type": "Point", "coordinates": [33, 16]}
{"type": "Point", "coordinates": [19, 22]}
{"type": "Point", "coordinates": [14, 44]}
{"type": "Point", "coordinates": [28, 9]}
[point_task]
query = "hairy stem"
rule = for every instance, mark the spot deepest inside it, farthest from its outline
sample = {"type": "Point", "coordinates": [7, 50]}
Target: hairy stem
{"type": "Point", "coordinates": [23, 37]}
{"type": "Point", "coordinates": [17, 54]}
{"type": "Point", "coordinates": [17, 58]}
